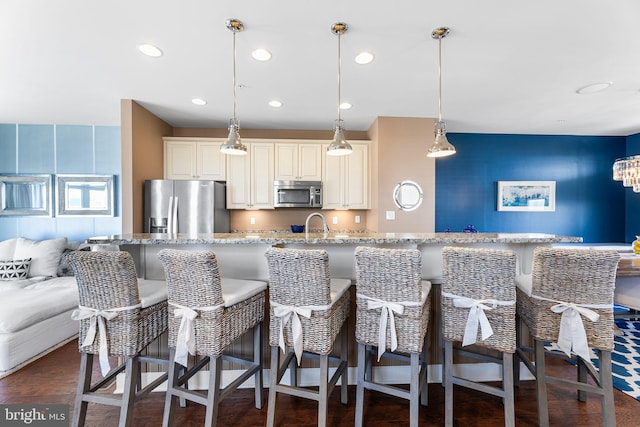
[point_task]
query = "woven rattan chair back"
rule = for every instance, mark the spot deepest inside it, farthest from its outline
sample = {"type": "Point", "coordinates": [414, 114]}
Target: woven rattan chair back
{"type": "Point", "coordinates": [578, 276]}
{"type": "Point", "coordinates": [105, 279]}
{"type": "Point", "coordinates": [193, 277]}
{"type": "Point", "coordinates": [299, 277]}
{"type": "Point", "coordinates": [480, 274]}
{"type": "Point", "coordinates": [389, 274]}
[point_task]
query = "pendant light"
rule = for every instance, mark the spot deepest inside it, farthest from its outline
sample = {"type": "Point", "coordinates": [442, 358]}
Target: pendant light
{"type": "Point", "coordinates": [441, 147]}
{"type": "Point", "coordinates": [339, 146]}
{"type": "Point", "coordinates": [234, 144]}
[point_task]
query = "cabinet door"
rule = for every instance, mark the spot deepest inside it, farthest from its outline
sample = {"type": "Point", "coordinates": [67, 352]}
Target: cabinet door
{"type": "Point", "coordinates": [262, 172]}
{"type": "Point", "coordinates": [286, 162]}
{"type": "Point", "coordinates": [310, 162]}
{"type": "Point", "coordinates": [179, 160]}
{"type": "Point", "coordinates": [210, 161]}
{"type": "Point", "coordinates": [357, 181]}
{"type": "Point", "coordinates": [333, 182]}
{"type": "Point", "coordinates": [238, 177]}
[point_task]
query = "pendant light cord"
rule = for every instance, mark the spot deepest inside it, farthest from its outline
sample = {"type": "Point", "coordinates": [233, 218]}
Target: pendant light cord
{"type": "Point", "coordinates": [339, 66]}
{"type": "Point", "coordinates": [234, 77]}
{"type": "Point", "coordinates": [440, 79]}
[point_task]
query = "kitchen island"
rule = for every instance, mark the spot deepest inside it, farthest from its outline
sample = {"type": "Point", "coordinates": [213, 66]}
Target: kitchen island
{"type": "Point", "coordinates": [241, 255]}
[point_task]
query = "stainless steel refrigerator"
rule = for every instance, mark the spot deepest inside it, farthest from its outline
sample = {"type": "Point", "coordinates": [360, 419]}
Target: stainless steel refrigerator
{"type": "Point", "coordinates": [185, 206]}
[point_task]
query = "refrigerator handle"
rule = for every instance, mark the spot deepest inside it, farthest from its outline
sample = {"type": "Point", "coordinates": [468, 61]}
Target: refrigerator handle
{"type": "Point", "coordinates": [175, 215]}
{"type": "Point", "coordinates": [170, 216]}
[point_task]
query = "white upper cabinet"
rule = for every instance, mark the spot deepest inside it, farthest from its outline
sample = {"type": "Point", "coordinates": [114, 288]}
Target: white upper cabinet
{"type": "Point", "coordinates": [345, 181]}
{"type": "Point", "coordinates": [298, 161]}
{"type": "Point", "coordinates": [194, 158]}
{"type": "Point", "coordinates": [250, 177]}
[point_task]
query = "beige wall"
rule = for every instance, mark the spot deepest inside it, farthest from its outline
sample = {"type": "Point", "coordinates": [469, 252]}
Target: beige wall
{"type": "Point", "coordinates": [126, 187]}
{"type": "Point", "coordinates": [143, 159]}
{"type": "Point", "coordinates": [400, 148]}
{"type": "Point", "coordinates": [398, 152]}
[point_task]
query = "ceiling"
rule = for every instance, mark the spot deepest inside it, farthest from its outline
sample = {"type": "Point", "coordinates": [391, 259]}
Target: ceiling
{"type": "Point", "coordinates": [508, 66]}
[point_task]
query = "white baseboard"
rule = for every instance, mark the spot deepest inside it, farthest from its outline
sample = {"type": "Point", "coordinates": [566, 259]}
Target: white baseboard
{"type": "Point", "coordinates": [481, 372]}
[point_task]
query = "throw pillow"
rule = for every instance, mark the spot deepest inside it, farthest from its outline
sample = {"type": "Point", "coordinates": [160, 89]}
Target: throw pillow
{"type": "Point", "coordinates": [7, 248]}
{"type": "Point", "coordinates": [14, 270]}
{"type": "Point", "coordinates": [64, 269]}
{"type": "Point", "coordinates": [45, 255]}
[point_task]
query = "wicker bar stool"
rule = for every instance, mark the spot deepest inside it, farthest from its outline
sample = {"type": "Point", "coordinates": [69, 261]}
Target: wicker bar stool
{"type": "Point", "coordinates": [392, 315]}
{"type": "Point", "coordinates": [207, 313]}
{"type": "Point", "coordinates": [570, 289]}
{"type": "Point", "coordinates": [119, 316]}
{"type": "Point", "coordinates": [478, 307]}
{"type": "Point", "coordinates": [308, 310]}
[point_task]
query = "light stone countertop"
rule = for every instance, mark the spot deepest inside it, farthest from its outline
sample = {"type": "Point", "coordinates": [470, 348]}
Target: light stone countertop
{"type": "Point", "coordinates": [338, 238]}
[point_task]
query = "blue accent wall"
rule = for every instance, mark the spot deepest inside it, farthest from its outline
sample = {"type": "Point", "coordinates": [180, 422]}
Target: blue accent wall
{"type": "Point", "coordinates": [632, 207]}
{"type": "Point", "coordinates": [588, 202]}
{"type": "Point", "coordinates": [60, 149]}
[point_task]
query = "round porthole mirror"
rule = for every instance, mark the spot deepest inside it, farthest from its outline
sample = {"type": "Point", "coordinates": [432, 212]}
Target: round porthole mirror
{"type": "Point", "coordinates": [407, 195]}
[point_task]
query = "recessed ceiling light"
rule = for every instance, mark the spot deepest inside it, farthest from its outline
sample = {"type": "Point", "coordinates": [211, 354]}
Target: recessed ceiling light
{"type": "Point", "coordinates": [364, 58]}
{"type": "Point", "coordinates": [261, 54]}
{"type": "Point", "coordinates": [275, 103]}
{"type": "Point", "coordinates": [593, 88]}
{"type": "Point", "coordinates": [199, 101]}
{"type": "Point", "coordinates": [150, 50]}
{"type": "Point", "coordinates": [345, 106]}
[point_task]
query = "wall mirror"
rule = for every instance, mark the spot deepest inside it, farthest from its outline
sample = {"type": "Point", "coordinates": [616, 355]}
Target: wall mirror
{"type": "Point", "coordinates": [407, 195]}
{"type": "Point", "coordinates": [85, 195]}
{"type": "Point", "coordinates": [25, 195]}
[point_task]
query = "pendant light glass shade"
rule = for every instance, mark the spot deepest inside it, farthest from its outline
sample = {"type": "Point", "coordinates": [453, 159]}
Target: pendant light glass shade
{"type": "Point", "coordinates": [441, 147]}
{"type": "Point", "coordinates": [234, 145]}
{"type": "Point", "coordinates": [339, 146]}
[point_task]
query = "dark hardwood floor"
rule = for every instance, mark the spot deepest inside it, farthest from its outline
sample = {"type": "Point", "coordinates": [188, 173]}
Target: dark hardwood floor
{"type": "Point", "coordinates": [52, 380]}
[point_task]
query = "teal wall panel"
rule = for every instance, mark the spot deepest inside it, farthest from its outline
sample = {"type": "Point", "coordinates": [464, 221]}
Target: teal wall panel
{"type": "Point", "coordinates": [61, 149]}
{"type": "Point", "coordinates": [8, 149]}
{"type": "Point", "coordinates": [74, 149]}
{"type": "Point", "coordinates": [109, 153]}
{"type": "Point", "coordinates": [36, 152]}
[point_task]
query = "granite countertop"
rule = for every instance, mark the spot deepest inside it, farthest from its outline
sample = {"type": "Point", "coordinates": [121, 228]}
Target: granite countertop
{"type": "Point", "coordinates": [359, 237]}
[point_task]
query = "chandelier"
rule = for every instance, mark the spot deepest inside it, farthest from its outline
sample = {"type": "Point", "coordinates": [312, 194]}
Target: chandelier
{"type": "Point", "coordinates": [627, 170]}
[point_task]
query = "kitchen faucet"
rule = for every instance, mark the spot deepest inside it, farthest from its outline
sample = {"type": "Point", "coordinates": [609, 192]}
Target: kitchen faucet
{"type": "Point", "coordinates": [325, 227]}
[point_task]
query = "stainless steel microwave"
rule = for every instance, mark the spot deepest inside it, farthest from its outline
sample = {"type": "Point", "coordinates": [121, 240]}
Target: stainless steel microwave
{"type": "Point", "coordinates": [297, 194]}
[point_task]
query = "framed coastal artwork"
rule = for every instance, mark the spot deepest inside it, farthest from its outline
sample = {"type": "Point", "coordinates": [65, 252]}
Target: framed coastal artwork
{"type": "Point", "coordinates": [527, 196]}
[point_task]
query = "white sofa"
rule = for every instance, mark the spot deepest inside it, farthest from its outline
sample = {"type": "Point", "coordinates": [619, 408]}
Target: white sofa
{"type": "Point", "coordinates": [36, 300]}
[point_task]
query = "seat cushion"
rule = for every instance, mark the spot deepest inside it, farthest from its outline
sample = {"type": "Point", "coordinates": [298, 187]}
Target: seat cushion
{"type": "Point", "coordinates": [151, 292]}
{"type": "Point", "coordinates": [339, 287]}
{"type": "Point", "coordinates": [627, 292]}
{"type": "Point", "coordinates": [424, 292]}
{"type": "Point", "coordinates": [23, 307]}
{"type": "Point", "coordinates": [524, 282]}
{"type": "Point", "coordinates": [238, 290]}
